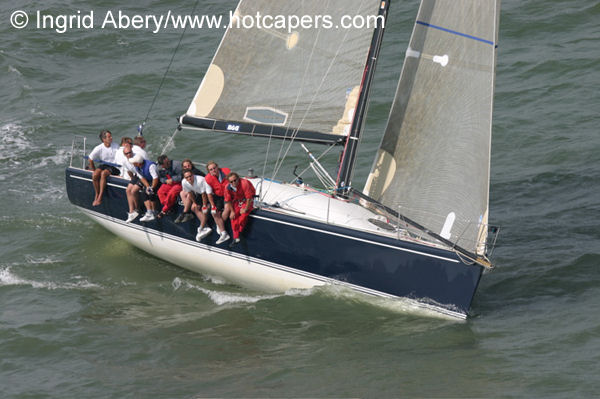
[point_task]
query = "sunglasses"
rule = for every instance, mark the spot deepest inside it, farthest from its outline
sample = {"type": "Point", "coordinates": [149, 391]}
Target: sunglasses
{"type": "Point", "coordinates": [233, 181]}
{"type": "Point", "coordinates": [128, 153]}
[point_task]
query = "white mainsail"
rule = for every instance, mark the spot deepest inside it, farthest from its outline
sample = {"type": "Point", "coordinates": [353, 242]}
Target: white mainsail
{"type": "Point", "coordinates": [433, 164]}
{"type": "Point", "coordinates": [287, 80]}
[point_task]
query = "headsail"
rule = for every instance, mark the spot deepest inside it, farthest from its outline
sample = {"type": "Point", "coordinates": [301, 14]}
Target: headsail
{"type": "Point", "coordinates": [434, 160]}
{"type": "Point", "coordinates": [281, 82]}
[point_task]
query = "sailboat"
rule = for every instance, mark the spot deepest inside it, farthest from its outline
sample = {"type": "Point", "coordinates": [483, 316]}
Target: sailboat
{"type": "Point", "coordinates": [418, 230]}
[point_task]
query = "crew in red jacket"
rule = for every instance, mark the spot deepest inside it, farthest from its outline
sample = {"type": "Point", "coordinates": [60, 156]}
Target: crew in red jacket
{"type": "Point", "coordinates": [239, 199]}
{"type": "Point", "coordinates": [217, 180]}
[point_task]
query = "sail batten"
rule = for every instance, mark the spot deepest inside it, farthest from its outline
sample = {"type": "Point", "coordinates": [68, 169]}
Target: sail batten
{"type": "Point", "coordinates": [433, 162]}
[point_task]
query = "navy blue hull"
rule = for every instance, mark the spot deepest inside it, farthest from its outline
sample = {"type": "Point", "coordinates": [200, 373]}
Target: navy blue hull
{"type": "Point", "coordinates": [369, 262]}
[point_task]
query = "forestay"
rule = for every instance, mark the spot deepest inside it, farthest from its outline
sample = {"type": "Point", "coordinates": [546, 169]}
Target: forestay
{"type": "Point", "coordinates": [434, 160]}
{"type": "Point", "coordinates": [280, 82]}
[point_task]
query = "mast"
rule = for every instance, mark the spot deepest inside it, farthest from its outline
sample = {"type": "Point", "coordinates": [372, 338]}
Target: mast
{"type": "Point", "coordinates": [349, 154]}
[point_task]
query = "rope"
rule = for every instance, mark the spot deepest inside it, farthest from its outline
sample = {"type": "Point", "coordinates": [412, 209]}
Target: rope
{"type": "Point", "coordinates": [141, 127]}
{"type": "Point", "coordinates": [278, 163]}
{"type": "Point", "coordinates": [280, 159]}
{"type": "Point", "coordinates": [169, 145]}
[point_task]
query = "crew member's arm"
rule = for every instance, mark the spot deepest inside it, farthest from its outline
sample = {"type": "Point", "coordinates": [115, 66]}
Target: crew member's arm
{"type": "Point", "coordinates": [246, 206]}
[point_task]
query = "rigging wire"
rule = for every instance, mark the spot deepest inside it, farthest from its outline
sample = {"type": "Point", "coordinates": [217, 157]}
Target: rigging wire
{"type": "Point", "coordinates": [280, 158]}
{"type": "Point", "coordinates": [169, 144]}
{"type": "Point", "coordinates": [141, 127]}
{"type": "Point", "coordinates": [317, 160]}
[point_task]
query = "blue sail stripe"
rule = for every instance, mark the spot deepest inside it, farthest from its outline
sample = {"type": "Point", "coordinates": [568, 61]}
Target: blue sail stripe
{"type": "Point", "coordinates": [455, 32]}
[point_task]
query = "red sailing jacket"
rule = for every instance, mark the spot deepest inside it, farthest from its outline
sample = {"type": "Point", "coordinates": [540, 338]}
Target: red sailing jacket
{"type": "Point", "coordinates": [245, 190]}
{"type": "Point", "coordinates": [218, 187]}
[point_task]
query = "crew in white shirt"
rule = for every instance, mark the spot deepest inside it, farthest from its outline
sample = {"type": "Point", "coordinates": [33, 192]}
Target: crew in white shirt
{"type": "Point", "coordinates": [105, 153]}
{"type": "Point", "coordinates": [201, 195]}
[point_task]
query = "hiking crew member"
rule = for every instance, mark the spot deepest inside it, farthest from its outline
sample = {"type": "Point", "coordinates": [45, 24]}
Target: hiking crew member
{"type": "Point", "coordinates": [239, 198]}
{"type": "Point", "coordinates": [148, 181]}
{"type": "Point", "coordinates": [103, 152]}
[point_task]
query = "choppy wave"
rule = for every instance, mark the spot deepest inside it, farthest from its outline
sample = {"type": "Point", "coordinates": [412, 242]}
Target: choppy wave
{"type": "Point", "coordinates": [13, 140]}
{"type": "Point", "coordinates": [41, 260]}
{"type": "Point", "coordinates": [22, 156]}
{"type": "Point", "coordinates": [224, 298]}
{"type": "Point", "coordinates": [7, 278]}
{"type": "Point", "coordinates": [14, 70]}
{"type": "Point", "coordinates": [59, 158]}
{"type": "Point", "coordinates": [343, 294]}
{"type": "Point", "coordinates": [396, 305]}
{"type": "Point", "coordinates": [221, 297]}
{"type": "Point", "coordinates": [533, 311]}
{"type": "Point", "coordinates": [45, 220]}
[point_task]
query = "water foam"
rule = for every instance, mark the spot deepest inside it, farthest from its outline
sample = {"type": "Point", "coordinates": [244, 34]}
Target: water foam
{"type": "Point", "coordinates": [13, 140]}
{"type": "Point", "coordinates": [14, 70]}
{"type": "Point", "coordinates": [221, 297]}
{"type": "Point", "coordinates": [8, 278]}
{"type": "Point", "coordinates": [18, 149]}
{"type": "Point", "coordinates": [397, 304]}
{"type": "Point", "coordinates": [60, 158]}
{"type": "Point", "coordinates": [43, 261]}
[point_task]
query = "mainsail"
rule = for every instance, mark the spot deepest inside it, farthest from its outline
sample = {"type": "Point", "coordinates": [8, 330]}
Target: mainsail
{"type": "Point", "coordinates": [433, 164]}
{"type": "Point", "coordinates": [278, 82]}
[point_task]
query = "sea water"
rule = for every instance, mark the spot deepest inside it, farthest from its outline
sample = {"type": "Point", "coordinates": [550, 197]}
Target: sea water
{"type": "Point", "coordinates": [84, 314]}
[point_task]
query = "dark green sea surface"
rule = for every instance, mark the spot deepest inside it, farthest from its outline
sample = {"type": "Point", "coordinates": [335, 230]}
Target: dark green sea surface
{"type": "Point", "coordinates": [85, 315]}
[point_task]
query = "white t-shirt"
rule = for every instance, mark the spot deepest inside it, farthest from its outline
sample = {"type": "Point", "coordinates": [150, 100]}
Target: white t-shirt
{"type": "Point", "coordinates": [200, 186]}
{"type": "Point", "coordinates": [104, 153]}
{"type": "Point", "coordinates": [139, 150]}
{"type": "Point", "coordinates": [127, 167]}
{"type": "Point", "coordinates": [123, 161]}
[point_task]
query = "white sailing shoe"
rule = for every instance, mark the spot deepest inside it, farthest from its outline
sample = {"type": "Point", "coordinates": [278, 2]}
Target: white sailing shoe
{"type": "Point", "coordinates": [148, 217]}
{"type": "Point", "coordinates": [131, 216]}
{"type": "Point", "coordinates": [223, 237]}
{"type": "Point", "coordinates": [203, 233]}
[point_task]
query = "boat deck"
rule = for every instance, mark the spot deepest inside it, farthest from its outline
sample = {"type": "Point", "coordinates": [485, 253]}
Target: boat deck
{"type": "Point", "coordinates": [309, 203]}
